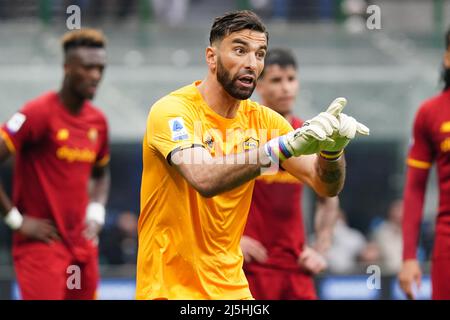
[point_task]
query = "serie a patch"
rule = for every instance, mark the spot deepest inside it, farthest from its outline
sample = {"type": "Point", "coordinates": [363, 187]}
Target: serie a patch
{"type": "Point", "coordinates": [178, 129]}
{"type": "Point", "coordinates": [15, 123]}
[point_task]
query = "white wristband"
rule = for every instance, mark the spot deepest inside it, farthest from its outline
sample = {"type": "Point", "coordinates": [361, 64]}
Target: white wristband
{"type": "Point", "coordinates": [96, 212]}
{"type": "Point", "coordinates": [14, 219]}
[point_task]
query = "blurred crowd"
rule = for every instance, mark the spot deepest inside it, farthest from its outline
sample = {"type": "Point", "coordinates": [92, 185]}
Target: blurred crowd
{"type": "Point", "coordinates": [118, 240]}
{"type": "Point", "coordinates": [174, 13]}
{"type": "Point", "coordinates": [352, 251]}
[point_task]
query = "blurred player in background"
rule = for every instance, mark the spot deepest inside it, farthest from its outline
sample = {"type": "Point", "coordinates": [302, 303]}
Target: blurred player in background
{"type": "Point", "coordinates": [204, 145]}
{"type": "Point", "coordinates": [60, 144]}
{"type": "Point", "coordinates": [278, 263]}
{"type": "Point", "coordinates": [431, 143]}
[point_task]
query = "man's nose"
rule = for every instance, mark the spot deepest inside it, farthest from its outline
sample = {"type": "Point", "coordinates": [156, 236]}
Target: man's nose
{"type": "Point", "coordinates": [251, 62]}
{"type": "Point", "coordinates": [96, 74]}
{"type": "Point", "coordinates": [285, 86]}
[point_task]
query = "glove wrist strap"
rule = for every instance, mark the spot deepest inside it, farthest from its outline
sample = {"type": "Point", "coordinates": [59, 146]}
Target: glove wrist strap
{"type": "Point", "coordinates": [331, 155]}
{"type": "Point", "coordinates": [276, 150]}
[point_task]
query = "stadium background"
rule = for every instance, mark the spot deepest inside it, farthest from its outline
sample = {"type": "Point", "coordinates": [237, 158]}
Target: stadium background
{"type": "Point", "coordinates": [384, 74]}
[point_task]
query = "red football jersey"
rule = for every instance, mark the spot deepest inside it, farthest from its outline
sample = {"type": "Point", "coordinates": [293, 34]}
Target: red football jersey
{"type": "Point", "coordinates": [431, 143]}
{"type": "Point", "coordinates": [55, 153]}
{"type": "Point", "coordinates": [275, 217]}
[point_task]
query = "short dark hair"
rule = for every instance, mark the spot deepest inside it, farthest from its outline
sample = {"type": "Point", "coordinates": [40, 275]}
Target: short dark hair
{"type": "Point", "coordinates": [91, 38]}
{"type": "Point", "coordinates": [233, 22]}
{"type": "Point", "coordinates": [280, 57]}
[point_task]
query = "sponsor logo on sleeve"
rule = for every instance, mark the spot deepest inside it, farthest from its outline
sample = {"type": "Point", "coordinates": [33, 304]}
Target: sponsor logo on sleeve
{"type": "Point", "coordinates": [15, 123]}
{"type": "Point", "coordinates": [178, 129]}
{"type": "Point", "coordinates": [445, 127]}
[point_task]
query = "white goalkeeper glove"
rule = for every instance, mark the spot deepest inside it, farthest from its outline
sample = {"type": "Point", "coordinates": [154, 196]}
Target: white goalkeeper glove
{"type": "Point", "coordinates": [328, 133]}
{"type": "Point", "coordinates": [348, 128]}
{"type": "Point", "coordinates": [312, 137]}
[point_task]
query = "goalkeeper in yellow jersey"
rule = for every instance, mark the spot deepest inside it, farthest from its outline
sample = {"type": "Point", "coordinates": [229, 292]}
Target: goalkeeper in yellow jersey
{"type": "Point", "coordinates": [204, 145]}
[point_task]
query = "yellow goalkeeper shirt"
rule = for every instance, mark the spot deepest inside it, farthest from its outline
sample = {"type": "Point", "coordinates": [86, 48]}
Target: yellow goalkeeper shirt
{"type": "Point", "coordinates": [188, 244]}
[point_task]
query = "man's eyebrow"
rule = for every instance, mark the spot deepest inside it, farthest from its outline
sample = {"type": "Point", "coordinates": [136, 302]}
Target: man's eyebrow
{"type": "Point", "coordinates": [240, 41]}
{"type": "Point", "coordinates": [245, 43]}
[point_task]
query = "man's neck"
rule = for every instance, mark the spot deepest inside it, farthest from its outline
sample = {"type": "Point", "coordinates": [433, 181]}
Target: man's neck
{"type": "Point", "coordinates": [217, 98]}
{"type": "Point", "coordinates": [71, 102]}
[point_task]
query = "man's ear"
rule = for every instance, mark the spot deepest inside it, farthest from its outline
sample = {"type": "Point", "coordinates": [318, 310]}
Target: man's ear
{"type": "Point", "coordinates": [66, 68]}
{"type": "Point", "coordinates": [211, 57]}
{"type": "Point", "coordinates": [68, 61]}
{"type": "Point", "coordinates": [447, 59]}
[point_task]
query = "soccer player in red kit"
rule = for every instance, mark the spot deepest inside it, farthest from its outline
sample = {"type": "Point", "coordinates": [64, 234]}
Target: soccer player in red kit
{"type": "Point", "coordinates": [431, 143]}
{"type": "Point", "coordinates": [60, 144]}
{"type": "Point", "coordinates": [278, 263]}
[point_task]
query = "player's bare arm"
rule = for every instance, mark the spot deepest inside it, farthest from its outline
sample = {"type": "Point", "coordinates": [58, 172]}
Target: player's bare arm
{"type": "Point", "coordinates": [312, 259]}
{"type": "Point", "coordinates": [409, 275]}
{"type": "Point", "coordinates": [98, 194]}
{"type": "Point", "coordinates": [212, 176]}
{"type": "Point", "coordinates": [38, 229]}
{"type": "Point", "coordinates": [325, 177]}
{"type": "Point", "coordinates": [5, 202]}
{"type": "Point", "coordinates": [252, 249]}
{"type": "Point", "coordinates": [4, 151]}
{"type": "Point", "coordinates": [327, 211]}
{"type": "Point", "coordinates": [100, 184]}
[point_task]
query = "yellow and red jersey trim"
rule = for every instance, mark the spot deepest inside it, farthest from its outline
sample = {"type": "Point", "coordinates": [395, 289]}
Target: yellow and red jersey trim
{"type": "Point", "coordinates": [8, 141]}
{"type": "Point", "coordinates": [418, 164]}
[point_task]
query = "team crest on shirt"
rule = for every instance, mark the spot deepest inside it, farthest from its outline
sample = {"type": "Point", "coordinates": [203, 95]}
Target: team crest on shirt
{"type": "Point", "coordinates": [92, 134]}
{"type": "Point", "coordinates": [445, 145]}
{"type": "Point", "coordinates": [62, 134]}
{"type": "Point", "coordinates": [178, 129]}
{"type": "Point", "coordinates": [445, 127]}
{"type": "Point", "coordinates": [251, 143]}
{"type": "Point", "coordinates": [15, 123]}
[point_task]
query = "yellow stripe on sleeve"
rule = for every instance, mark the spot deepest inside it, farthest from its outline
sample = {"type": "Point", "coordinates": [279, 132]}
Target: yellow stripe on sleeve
{"type": "Point", "coordinates": [8, 141]}
{"type": "Point", "coordinates": [418, 164]}
{"type": "Point", "coordinates": [103, 161]}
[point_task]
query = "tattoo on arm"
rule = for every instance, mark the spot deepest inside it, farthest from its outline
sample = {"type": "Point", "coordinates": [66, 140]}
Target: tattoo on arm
{"type": "Point", "coordinates": [329, 172]}
{"type": "Point", "coordinates": [330, 176]}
